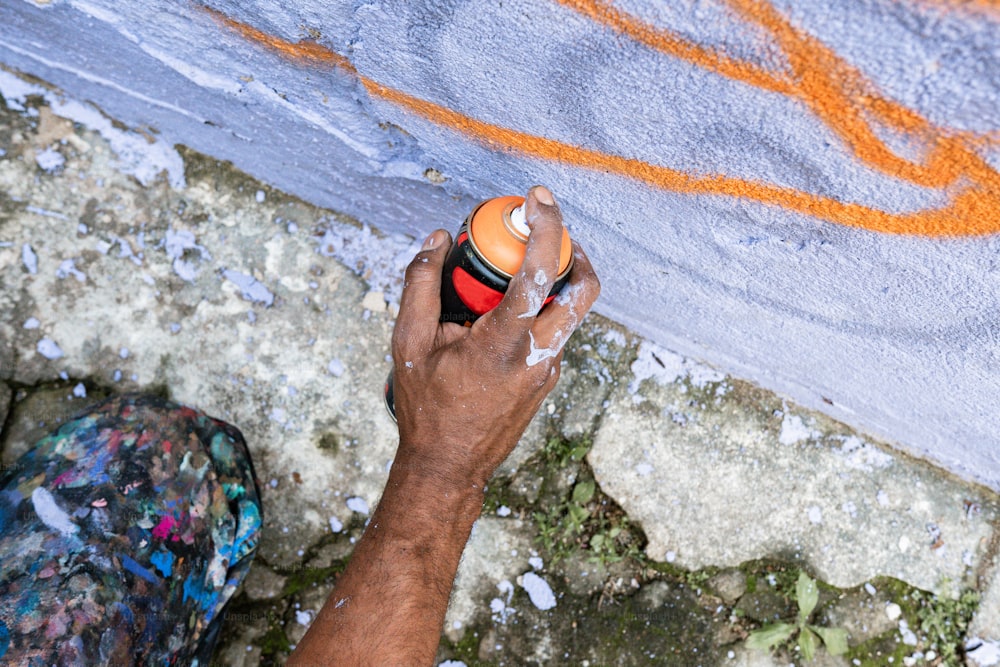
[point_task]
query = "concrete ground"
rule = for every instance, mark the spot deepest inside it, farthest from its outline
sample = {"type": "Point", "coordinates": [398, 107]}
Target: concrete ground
{"type": "Point", "coordinates": [656, 512]}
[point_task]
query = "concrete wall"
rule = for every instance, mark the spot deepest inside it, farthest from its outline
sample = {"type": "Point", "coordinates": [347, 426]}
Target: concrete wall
{"type": "Point", "coordinates": [804, 196]}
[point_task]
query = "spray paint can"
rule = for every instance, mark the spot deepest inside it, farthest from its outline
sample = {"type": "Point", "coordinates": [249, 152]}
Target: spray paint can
{"type": "Point", "coordinates": [487, 252]}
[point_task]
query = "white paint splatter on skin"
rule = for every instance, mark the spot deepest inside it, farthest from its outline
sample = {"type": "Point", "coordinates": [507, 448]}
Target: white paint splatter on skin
{"type": "Point", "coordinates": [568, 296]}
{"type": "Point", "coordinates": [50, 513]}
{"type": "Point", "coordinates": [538, 354]}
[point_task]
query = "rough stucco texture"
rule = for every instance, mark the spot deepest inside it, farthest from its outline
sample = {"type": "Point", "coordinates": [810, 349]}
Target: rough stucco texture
{"type": "Point", "coordinates": [804, 196]}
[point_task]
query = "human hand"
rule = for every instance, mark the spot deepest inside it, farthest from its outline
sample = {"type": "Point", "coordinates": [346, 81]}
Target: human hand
{"type": "Point", "coordinates": [464, 395]}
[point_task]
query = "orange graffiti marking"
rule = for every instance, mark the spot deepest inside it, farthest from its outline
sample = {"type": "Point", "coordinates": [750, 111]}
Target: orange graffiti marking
{"type": "Point", "coordinates": [974, 210]}
{"type": "Point", "coordinates": [304, 52]}
{"type": "Point", "coordinates": [972, 6]}
{"type": "Point", "coordinates": [832, 89]}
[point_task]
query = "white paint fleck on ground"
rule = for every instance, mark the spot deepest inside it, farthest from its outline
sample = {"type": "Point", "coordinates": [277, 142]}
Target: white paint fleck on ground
{"type": "Point", "coordinates": [538, 590]}
{"type": "Point", "coordinates": [642, 469]}
{"type": "Point", "coordinates": [49, 349]}
{"type": "Point", "coordinates": [794, 430]}
{"type": "Point", "coordinates": [860, 455]}
{"type": "Point", "coordinates": [67, 268]}
{"type": "Point", "coordinates": [50, 159]}
{"type": "Point", "coordinates": [250, 288]}
{"type": "Point", "coordinates": [501, 609]}
{"type": "Point", "coordinates": [137, 155]}
{"type": "Point", "coordinates": [45, 213]}
{"type": "Point", "coordinates": [656, 363]}
{"type": "Point", "coordinates": [335, 367]}
{"type": "Point", "coordinates": [176, 243]}
{"type": "Point", "coordinates": [335, 524]}
{"type": "Point", "coordinates": [32, 323]}
{"type": "Point", "coordinates": [357, 504]}
{"type": "Point", "coordinates": [983, 653]}
{"type": "Point", "coordinates": [29, 258]}
{"type": "Point", "coordinates": [380, 260]}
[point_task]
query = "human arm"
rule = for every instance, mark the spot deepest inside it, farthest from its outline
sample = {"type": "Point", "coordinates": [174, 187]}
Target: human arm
{"type": "Point", "coordinates": [463, 397]}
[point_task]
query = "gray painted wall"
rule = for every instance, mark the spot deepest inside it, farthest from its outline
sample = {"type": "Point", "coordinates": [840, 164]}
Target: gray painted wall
{"type": "Point", "coordinates": [756, 185]}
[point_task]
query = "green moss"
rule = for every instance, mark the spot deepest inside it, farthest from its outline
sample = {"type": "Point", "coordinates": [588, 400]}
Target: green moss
{"type": "Point", "coordinates": [302, 578]}
{"type": "Point", "coordinates": [274, 642]}
{"type": "Point", "coordinates": [466, 649]}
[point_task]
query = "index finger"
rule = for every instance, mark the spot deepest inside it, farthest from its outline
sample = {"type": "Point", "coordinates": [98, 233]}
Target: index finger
{"type": "Point", "coordinates": [530, 286]}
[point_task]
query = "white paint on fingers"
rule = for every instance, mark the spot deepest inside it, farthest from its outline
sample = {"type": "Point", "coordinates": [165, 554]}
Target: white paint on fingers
{"type": "Point", "coordinates": [538, 354]}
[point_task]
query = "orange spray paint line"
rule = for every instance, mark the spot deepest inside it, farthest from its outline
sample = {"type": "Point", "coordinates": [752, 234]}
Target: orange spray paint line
{"type": "Point", "coordinates": [830, 87]}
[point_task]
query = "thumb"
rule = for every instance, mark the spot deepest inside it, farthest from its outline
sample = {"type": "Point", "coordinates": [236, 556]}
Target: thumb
{"type": "Point", "coordinates": [420, 304]}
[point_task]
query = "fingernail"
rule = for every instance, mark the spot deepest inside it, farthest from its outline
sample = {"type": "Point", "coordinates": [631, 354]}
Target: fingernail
{"type": "Point", "coordinates": [430, 241]}
{"type": "Point", "coordinates": [543, 196]}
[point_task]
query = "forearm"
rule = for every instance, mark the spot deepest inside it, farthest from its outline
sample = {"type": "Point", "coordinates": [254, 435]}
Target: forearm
{"type": "Point", "coordinates": [388, 606]}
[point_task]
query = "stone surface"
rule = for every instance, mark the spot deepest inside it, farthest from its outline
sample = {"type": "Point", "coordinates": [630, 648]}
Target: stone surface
{"type": "Point", "coordinates": [254, 308]}
{"type": "Point", "coordinates": [730, 585]}
{"type": "Point", "coordinates": [6, 395]}
{"type": "Point", "coordinates": [862, 614]}
{"type": "Point", "coordinates": [719, 473]}
{"type": "Point", "coordinates": [262, 583]}
{"type": "Point", "coordinates": [497, 552]}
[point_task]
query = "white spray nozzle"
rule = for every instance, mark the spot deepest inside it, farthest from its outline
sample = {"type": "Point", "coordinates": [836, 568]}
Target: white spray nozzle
{"type": "Point", "coordinates": [518, 222]}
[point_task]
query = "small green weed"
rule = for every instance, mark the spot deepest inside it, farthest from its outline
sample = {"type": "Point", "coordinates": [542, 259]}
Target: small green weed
{"type": "Point", "coordinates": [561, 451]}
{"type": "Point", "coordinates": [587, 521]}
{"type": "Point", "coordinates": [945, 621]}
{"type": "Point", "coordinates": [810, 637]}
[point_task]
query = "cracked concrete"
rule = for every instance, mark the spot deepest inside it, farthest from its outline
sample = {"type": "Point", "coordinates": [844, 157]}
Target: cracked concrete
{"type": "Point", "coordinates": [276, 315]}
